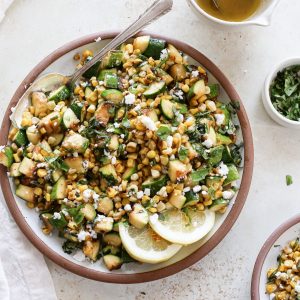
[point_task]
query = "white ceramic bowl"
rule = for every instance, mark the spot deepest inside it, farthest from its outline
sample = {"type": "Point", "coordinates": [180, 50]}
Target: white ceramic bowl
{"type": "Point", "coordinates": [273, 113]}
{"type": "Point", "coordinates": [267, 257]}
{"type": "Point", "coordinates": [261, 17]}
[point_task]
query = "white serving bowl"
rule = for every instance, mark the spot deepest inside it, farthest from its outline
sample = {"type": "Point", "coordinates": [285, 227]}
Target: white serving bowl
{"type": "Point", "coordinates": [273, 113]}
{"type": "Point", "coordinates": [261, 17]}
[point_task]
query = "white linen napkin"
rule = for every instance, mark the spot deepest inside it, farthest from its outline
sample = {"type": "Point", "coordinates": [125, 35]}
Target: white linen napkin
{"type": "Point", "coordinates": [23, 270]}
{"type": "Point", "coordinates": [4, 4]}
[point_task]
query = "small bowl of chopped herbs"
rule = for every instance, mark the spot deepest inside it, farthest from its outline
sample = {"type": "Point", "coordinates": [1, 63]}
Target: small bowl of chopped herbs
{"type": "Point", "coordinates": [281, 93]}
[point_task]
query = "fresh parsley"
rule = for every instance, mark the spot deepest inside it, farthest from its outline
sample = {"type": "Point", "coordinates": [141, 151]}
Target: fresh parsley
{"type": "Point", "coordinates": [288, 179]}
{"type": "Point", "coordinates": [163, 132]}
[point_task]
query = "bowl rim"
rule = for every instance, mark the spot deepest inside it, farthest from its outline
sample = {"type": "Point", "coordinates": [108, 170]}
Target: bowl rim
{"type": "Point", "coordinates": [266, 90]}
{"type": "Point", "coordinates": [168, 270]}
{"type": "Point", "coordinates": [264, 251]}
{"type": "Point", "coordinates": [263, 19]}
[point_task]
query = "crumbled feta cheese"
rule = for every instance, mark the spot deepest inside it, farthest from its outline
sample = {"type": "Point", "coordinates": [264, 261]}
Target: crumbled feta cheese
{"type": "Point", "coordinates": [219, 119]}
{"type": "Point", "coordinates": [195, 73]}
{"type": "Point", "coordinates": [138, 107]}
{"type": "Point", "coordinates": [2, 148]}
{"type": "Point", "coordinates": [162, 192]}
{"type": "Point", "coordinates": [134, 177]}
{"type": "Point", "coordinates": [155, 173]}
{"type": "Point", "coordinates": [75, 154]}
{"type": "Point", "coordinates": [179, 94]}
{"type": "Point", "coordinates": [42, 165]}
{"type": "Point", "coordinates": [82, 235]}
{"type": "Point", "coordinates": [122, 136]}
{"type": "Point", "coordinates": [154, 218]}
{"type": "Point", "coordinates": [172, 157]}
{"type": "Point", "coordinates": [87, 194]}
{"type": "Point", "coordinates": [207, 143]}
{"type": "Point", "coordinates": [204, 192]}
{"type": "Point", "coordinates": [129, 99]}
{"type": "Point", "coordinates": [79, 256]}
{"type": "Point", "coordinates": [101, 82]}
{"type": "Point", "coordinates": [12, 109]}
{"type": "Point", "coordinates": [56, 216]}
{"type": "Point", "coordinates": [227, 195]}
{"type": "Point", "coordinates": [147, 192]}
{"type": "Point", "coordinates": [164, 54]}
{"type": "Point", "coordinates": [186, 189]}
{"type": "Point", "coordinates": [85, 164]}
{"type": "Point", "coordinates": [142, 74]}
{"type": "Point", "coordinates": [127, 207]}
{"type": "Point", "coordinates": [196, 188]}
{"type": "Point", "coordinates": [58, 107]}
{"type": "Point", "coordinates": [98, 39]}
{"type": "Point", "coordinates": [284, 276]}
{"type": "Point", "coordinates": [272, 296]}
{"type": "Point", "coordinates": [174, 129]}
{"type": "Point", "coordinates": [99, 218]}
{"type": "Point", "coordinates": [140, 194]}
{"type": "Point", "coordinates": [131, 81]}
{"type": "Point", "coordinates": [116, 125]}
{"type": "Point", "coordinates": [222, 169]}
{"type": "Point", "coordinates": [297, 288]}
{"type": "Point", "coordinates": [169, 141]}
{"type": "Point", "coordinates": [110, 129]}
{"type": "Point", "coordinates": [35, 120]}
{"type": "Point", "coordinates": [180, 118]}
{"type": "Point", "coordinates": [65, 212]}
{"type": "Point", "coordinates": [113, 160]}
{"type": "Point", "coordinates": [147, 122]}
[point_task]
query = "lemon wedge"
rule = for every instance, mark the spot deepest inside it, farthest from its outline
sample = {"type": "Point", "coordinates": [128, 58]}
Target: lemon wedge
{"type": "Point", "coordinates": [145, 245]}
{"type": "Point", "coordinates": [183, 228]}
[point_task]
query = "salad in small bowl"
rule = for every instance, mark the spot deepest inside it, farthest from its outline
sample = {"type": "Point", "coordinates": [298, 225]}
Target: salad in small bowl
{"type": "Point", "coordinates": [136, 162]}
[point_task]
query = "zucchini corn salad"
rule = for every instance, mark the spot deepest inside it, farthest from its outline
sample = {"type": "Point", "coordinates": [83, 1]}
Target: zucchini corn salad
{"type": "Point", "coordinates": [284, 280]}
{"type": "Point", "coordinates": [134, 162]}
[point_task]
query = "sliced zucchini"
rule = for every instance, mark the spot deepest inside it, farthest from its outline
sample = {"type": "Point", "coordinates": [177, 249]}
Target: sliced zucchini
{"type": "Point", "coordinates": [141, 43]}
{"type": "Point", "coordinates": [233, 174]}
{"type": "Point", "coordinates": [57, 139]}
{"type": "Point", "coordinates": [109, 173]}
{"type": "Point", "coordinates": [139, 216]}
{"type": "Point", "coordinates": [60, 94]}
{"type": "Point", "coordinates": [105, 205]}
{"type": "Point", "coordinates": [59, 190]}
{"type": "Point", "coordinates": [25, 192]}
{"type": "Point", "coordinates": [112, 239]}
{"type": "Point", "coordinates": [111, 81]}
{"type": "Point", "coordinates": [198, 90]}
{"type": "Point", "coordinates": [215, 155]}
{"type": "Point", "coordinates": [154, 184]}
{"type": "Point", "coordinates": [164, 76]}
{"type": "Point", "coordinates": [128, 172]}
{"type": "Point", "coordinates": [178, 72]}
{"type": "Point", "coordinates": [60, 223]}
{"type": "Point", "coordinates": [151, 113]}
{"type": "Point", "coordinates": [75, 143]}
{"type": "Point", "coordinates": [27, 167]}
{"type": "Point", "coordinates": [155, 89]}
{"type": "Point", "coordinates": [104, 225]}
{"type": "Point", "coordinates": [75, 163]}
{"type": "Point", "coordinates": [181, 107]}
{"type": "Point", "coordinates": [113, 95]}
{"type": "Point", "coordinates": [223, 139]}
{"type": "Point", "coordinates": [113, 59]}
{"type": "Point", "coordinates": [199, 175]}
{"type": "Point", "coordinates": [214, 182]}
{"type": "Point", "coordinates": [14, 170]}
{"type": "Point", "coordinates": [167, 108]}
{"type": "Point", "coordinates": [155, 46]}
{"type": "Point", "coordinates": [192, 198]}
{"type": "Point", "coordinates": [113, 143]}
{"type": "Point", "coordinates": [227, 155]}
{"type": "Point", "coordinates": [111, 250]}
{"type": "Point", "coordinates": [112, 262]}
{"type": "Point", "coordinates": [91, 249]}
{"type": "Point", "coordinates": [21, 138]}
{"type": "Point", "coordinates": [177, 170]}
{"type": "Point", "coordinates": [104, 72]}
{"type": "Point", "coordinates": [212, 135]}
{"type": "Point", "coordinates": [174, 54]}
{"type": "Point", "coordinates": [218, 204]}
{"type": "Point", "coordinates": [6, 156]}
{"type": "Point", "coordinates": [69, 119]}
{"type": "Point", "coordinates": [104, 112]}
{"type": "Point", "coordinates": [33, 135]}
{"type": "Point", "coordinates": [93, 70]}
{"type": "Point", "coordinates": [177, 199]}
{"type": "Point", "coordinates": [89, 212]}
{"type": "Point", "coordinates": [56, 174]}
{"type": "Point", "coordinates": [78, 109]}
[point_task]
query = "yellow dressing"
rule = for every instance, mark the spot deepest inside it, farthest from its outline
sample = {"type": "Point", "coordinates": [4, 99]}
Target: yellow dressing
{"type": "Point", "coordinates": [230, 10]}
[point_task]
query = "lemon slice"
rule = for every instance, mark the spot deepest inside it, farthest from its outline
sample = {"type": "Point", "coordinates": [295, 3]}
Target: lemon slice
{"type": "Point", "coordinates": [145, 245]}
{"type": "Point", "coordinates": [181, 227]}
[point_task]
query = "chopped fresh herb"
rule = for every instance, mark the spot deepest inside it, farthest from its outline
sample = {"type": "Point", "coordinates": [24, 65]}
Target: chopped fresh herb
{"type": "Point", "coordinates": [289, 180]}
{"type": "Point", "coordinates": [125, 122]}
{"type": "Point", "coordinates": [285, 92]}
{"type": "Point", "coordinates": [69, 247]}
{"type": "Point", "coordinates": [163, 132]}
{"type": "Point", "coordinates": [183, 153]}
{"type": "Point", "coordinates": [57, 163]}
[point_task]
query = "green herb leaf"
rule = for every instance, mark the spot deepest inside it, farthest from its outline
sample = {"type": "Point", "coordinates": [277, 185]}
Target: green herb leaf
{"type": "Point", "coordinates": [56, 162]}
{"type": "Point", "coordinates": [183, 153]}
{"type": "Point", "coordinates": [289, 180]}
{"type": "Point", "coordinates": [69, 247]}
{"type": "Point", "coordinates": [163, 132]}
{"type": "Point", "coordinates": [125, 122]}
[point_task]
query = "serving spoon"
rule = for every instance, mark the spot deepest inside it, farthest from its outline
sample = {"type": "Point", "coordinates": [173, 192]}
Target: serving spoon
{"type": "Point", "coordinates": [52, 81]}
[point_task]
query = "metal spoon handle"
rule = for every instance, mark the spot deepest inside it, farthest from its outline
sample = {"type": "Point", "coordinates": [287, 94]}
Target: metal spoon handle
{"type": "Point", "coordinates": [156, 10]}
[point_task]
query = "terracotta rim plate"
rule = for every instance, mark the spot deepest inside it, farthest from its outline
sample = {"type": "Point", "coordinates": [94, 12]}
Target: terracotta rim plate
{"type": "Point", "coordinates": [173, 268]}
{"type": "Point", "coordinates": [266, 248]}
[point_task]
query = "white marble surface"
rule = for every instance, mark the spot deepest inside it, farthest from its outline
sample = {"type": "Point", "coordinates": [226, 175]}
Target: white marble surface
{"type": "Point", "coordinates": [34, 28]}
